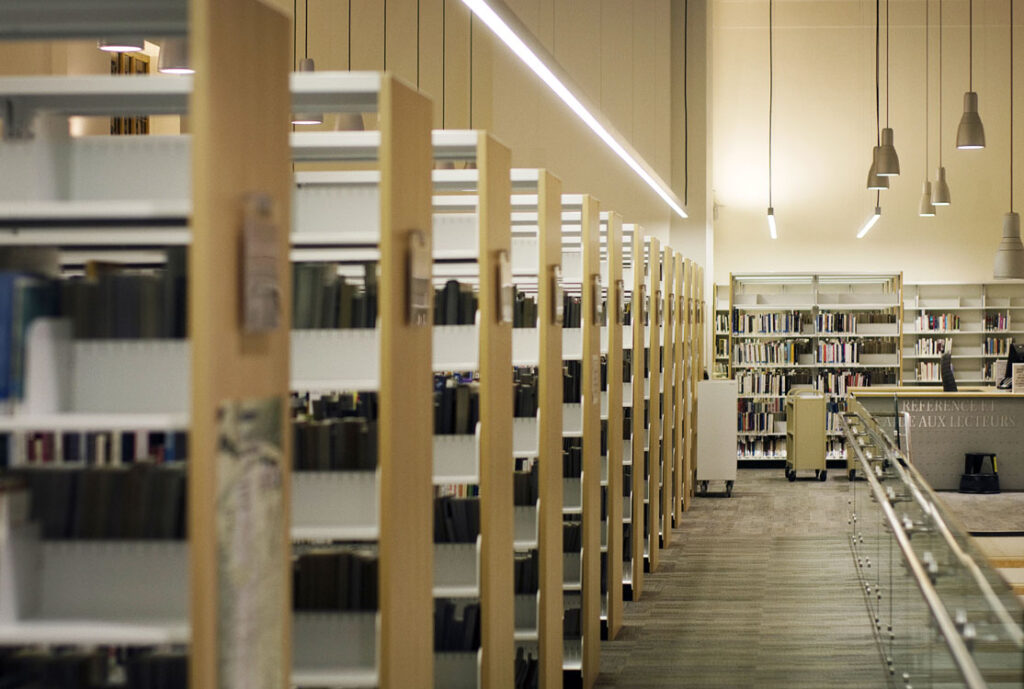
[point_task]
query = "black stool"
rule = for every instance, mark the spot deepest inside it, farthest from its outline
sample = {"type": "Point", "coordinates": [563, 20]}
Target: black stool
{"type": "Point", "coordinates": [975, 479]}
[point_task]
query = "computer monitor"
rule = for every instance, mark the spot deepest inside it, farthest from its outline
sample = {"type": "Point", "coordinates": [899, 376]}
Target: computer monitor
{"type": "Point", "coordinates": [1014, 355]}
{"type": "Point", "coordinates": [946, 371]}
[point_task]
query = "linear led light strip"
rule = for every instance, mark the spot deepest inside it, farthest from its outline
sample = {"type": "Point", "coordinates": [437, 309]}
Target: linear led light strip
{"type": "Point", "coordinates": [501, 28]}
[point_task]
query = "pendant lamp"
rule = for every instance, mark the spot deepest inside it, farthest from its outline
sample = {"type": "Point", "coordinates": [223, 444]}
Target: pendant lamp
{"type": "Point", "coordinates": [926, 209]}
{"type": "Point", "coordinates": [970, 135]}
{"type": "Point", "coordinates": [772, 230]}
{"type": "Point", "coordinates": [887, 163]}
{"type": "Point", "coordinates": [1009, 263]}
{"type": "Point", "coordinates": [174, 57]}
{"type": "Point", "coordinates": [121, 45]}
{"type": "Point", "coordinates": [940, 190]}
{"type": "Point", "coordinates": [875, 181]}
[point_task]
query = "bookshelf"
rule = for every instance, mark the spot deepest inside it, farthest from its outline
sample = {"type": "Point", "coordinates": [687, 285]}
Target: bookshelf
{"type": "Point", "coordinates": [652, 450]}
{"type": "Point", "coordinates": [357, 511]}
{"type": "Point", "coordinates": [80, 591]}
{"type": "Point", "coordinates": [536, 266]}
{"type": "Point", "coordinates": [667, 461]}
{"type": "Point", "coordinates": [973, 321]}
{"type": "Point", "coordinates": [613, 335]}
{"type": "Point", "coordinates": [633, 558]}
{"type": "Point", "coordinates": [473, 245]}
{"type": "Point", "coordinates": [722, 333]}
{"type": "Point", "coordinates": [680, 393]}
{"type": "Point", "coordinates": [809, 330]}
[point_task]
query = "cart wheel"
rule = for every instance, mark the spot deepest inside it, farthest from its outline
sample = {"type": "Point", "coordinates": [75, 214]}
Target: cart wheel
{"type": "Point", "coordinates": [704, 488]}
{"type": "Point", "coordinates": [853, 474]}
{"type": "Point", "coordinates": [791, 474]}
{"type": "Point", "coordinates": [728, 489]}
{"type": "Point", "coordinates": [817, 473]}
{"type": "Point", "coordinates": [823, 476]}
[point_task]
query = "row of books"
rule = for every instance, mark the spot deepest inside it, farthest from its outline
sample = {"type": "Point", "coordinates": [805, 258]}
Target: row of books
{"type": "Point", "coordinates": [783, 322]}
{"type": "Point", "coordinates": [455, 304]}
{"type": "Point", "coordinates": [997, 321]}
{"type": "Point", "coordinates": [835, 322]}
{"type": "Point", "coordinates": [929, 346]}
{"type": "Point", "coordinates": [524, 311]}
{"type": "Point", "coordinates": [335, 405]}
{"type": "Point", "coordinates": [525, 485]}
{"type": "Point", "coordinates": [572, 457]}
{"type": "Point", "coordinates": [627, 363]}
{"type": "Point", "coordinates": [937, 323]}
{"type": "Point", "coordinates": [572, 536]}
{"type": "Point", "coordinates": [323, 299]}
{"type": "Point", "coordinates": [835, 448]}
{"type": "Point", "coordinates": [527, 572]}
{"type": "Point", "coordinates": [996, 345]}
{"type": "Point", "coordinates": [761, 448]}
{"type": "Point", "coordinates": [456, 626]}
{"type": "Point", "coordinates": [833, 408]}
{"type": "Point", "coordinates": [766, 352]}
{"type": "Point", "coordinates": [838, 352]}
{"type": "Point", "coordinates": [774, 406]}
{"type": "Point", "coordinates": [524, 391]}
{"type": "Point", "coordinates": [572, 381]}
{"type": "Point", "coordinates": [627, 422]}
{"type": "Point", "coordinates": [526, 669]}
{"type": "Point", "coordinates": [627, 542]}
{"type": "Point", "coordinates": [763, 423]}
{"type": "Point", "coordinates": [722, 347]}
{"type": "Point", "coordinates": [95, 668]}
{"type": "Point", "coordinates": [335, 578]}
{"type": "Point", "coordinates": [929, 371]}
{"type": "Point", "coordinates": [345, 444]}
{"type": "Point", "coordinates": [572, 313]}
{"type": "Point", "coordinates": [721, 323]}
{"type": "Point", "coordinates": [835, 383]}
{"type": "Point", "coordinates": [131, 502]}
{"type": "Point", "coordinates": [456, 520]}
{"type": "Point", "coordinates": [99, 448]}
{"type": "Point", "coordinates": [572, 627]}
{"type": "Point", "coordinates": [456, 405]}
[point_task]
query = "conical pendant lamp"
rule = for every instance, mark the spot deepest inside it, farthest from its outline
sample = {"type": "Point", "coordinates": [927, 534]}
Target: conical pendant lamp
{"type": "Point", "coordinates": [307, 65]}
{"type": "Point", "coordinates": [926, 209]}
{"type": "Point", "coordinates": [121, 45]}
{"type": "Point", "coordinates": [970, 135]}
{"type": "Point", "coordinates": [174, 57]}
{"type": "Point", "coordinates": [1009, 263]}
{"type": "Point", "coordinates": [877, 182]}
{"type": "Point", "coordinates": [772, 228]}
{"type": "Point", "coordinates": [887, 163]}
{"type": "Point", "coordinates": [940, 189]}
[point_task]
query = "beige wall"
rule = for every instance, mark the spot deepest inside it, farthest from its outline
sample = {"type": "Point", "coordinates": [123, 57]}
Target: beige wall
{"type": "Point", "coordinates": [824, 130]}
{"type": "Point", "coordinates": [618, 54]}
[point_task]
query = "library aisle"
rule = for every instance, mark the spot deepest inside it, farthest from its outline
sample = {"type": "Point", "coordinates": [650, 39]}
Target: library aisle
{"type": "Point", "coordinates": [758, 590]}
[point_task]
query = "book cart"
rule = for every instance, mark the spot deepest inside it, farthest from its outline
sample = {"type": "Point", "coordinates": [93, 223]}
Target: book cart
{"type": "Point", "coordinates": [352, 225]}
{"type": "Point", "coordinates": [613, 334]}
{"type": "Point", "coordinates": [104, 413]}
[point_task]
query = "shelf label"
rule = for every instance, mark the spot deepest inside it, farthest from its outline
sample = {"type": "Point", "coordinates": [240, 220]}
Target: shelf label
{"type": "Point", "coordinates": [261, 291]}
{"type": "Point", "coordinates": [506, 289]}
{"type": "Point", "coordinates": [419, 268]}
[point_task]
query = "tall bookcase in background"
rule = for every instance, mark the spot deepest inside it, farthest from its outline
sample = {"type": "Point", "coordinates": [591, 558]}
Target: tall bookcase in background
{"type": "Point", "coordinates": [974, 322]}
{"type": "Point", "coordinates": [829, 332]}
{"type": "Point", "coordinates": [722, 334]}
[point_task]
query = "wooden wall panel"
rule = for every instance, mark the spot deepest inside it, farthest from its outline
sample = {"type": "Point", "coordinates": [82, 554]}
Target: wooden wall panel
{"type": "Point", "coordinates": [367, 35]}
{"type": "Point", "coordinates": [401, 31]}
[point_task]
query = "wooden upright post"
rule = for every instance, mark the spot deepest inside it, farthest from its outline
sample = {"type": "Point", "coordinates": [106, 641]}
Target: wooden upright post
{"type": "Point", "coordinates": [678, 354]}
{"type": "Point", "coordinates": [668, 267]}
{"type": "Point", "coordinates": [614, 291]}
{"type": "Point", "coordinates": [640, 296]}
{"type": "Point", "coordinates": [653, 343]}
{"type": "Point", "coordinates": [240, 50]}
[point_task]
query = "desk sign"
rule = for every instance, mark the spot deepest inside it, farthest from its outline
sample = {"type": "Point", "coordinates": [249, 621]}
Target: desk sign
{"type": "Point", "coordinates": [1018, 379]}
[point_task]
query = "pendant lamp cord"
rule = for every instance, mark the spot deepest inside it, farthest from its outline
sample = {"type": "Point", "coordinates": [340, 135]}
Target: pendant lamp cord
{"type": "Point", "coordinates": [1011, 106]}
{"type": "Point", "coordinates": [305, 39]}
{"type": "Point", "coordinates": [771, 91]}
{"type": "Point", "coordinates": [940, 83]}
{"type": "Point", "coordinates": [886, 63]}
{"type": "Point", "coordinates": [878, 117]}
{"type": "Point", "coordinates": [295, 36]}
{"type": "Point", "coordinates": [970, 45]}
{"type": "Point", "coordinates": [349, 35]}
{"type": "Point", "coordinates": [385, 34]}
{"type": "Point", "coordinates": [927, 75]}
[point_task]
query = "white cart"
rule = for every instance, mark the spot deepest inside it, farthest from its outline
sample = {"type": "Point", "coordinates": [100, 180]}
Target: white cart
{"type": "Point", "coordinates": [716, 433]}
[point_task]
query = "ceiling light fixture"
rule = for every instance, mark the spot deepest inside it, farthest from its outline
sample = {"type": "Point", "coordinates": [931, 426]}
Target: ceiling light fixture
{"type": "Point", "coordinates": [1009, 263]}
{"type": "Point", "coordinates": [875, 181]}
{"type": "Point", "coordinates": [873, 219]}
{"type": "Point", "coordinates": [940, 190]}
{"type": "Point", "coordinates": [123, 45]}
{"type": "Point", "coordinates": [174, 57]}
{"type": "Point", "coordinates": [887, 163]}
{"type": "Point", "coordinates": [970, 135]}
{"type": "Point", "coordinates": [772, 230]}
{"type": "Point", "coordinates": [500, 19]}
{"type": "Point", "coordinates": [307, 65]}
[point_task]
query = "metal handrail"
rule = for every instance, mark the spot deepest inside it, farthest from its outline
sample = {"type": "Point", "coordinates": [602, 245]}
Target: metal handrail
{"type": "Point", "coordinates": [958, 649]}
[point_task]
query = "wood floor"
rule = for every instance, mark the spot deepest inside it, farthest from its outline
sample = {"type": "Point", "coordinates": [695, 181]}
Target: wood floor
{"type": "Point", "coordinates": [758, 590]}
